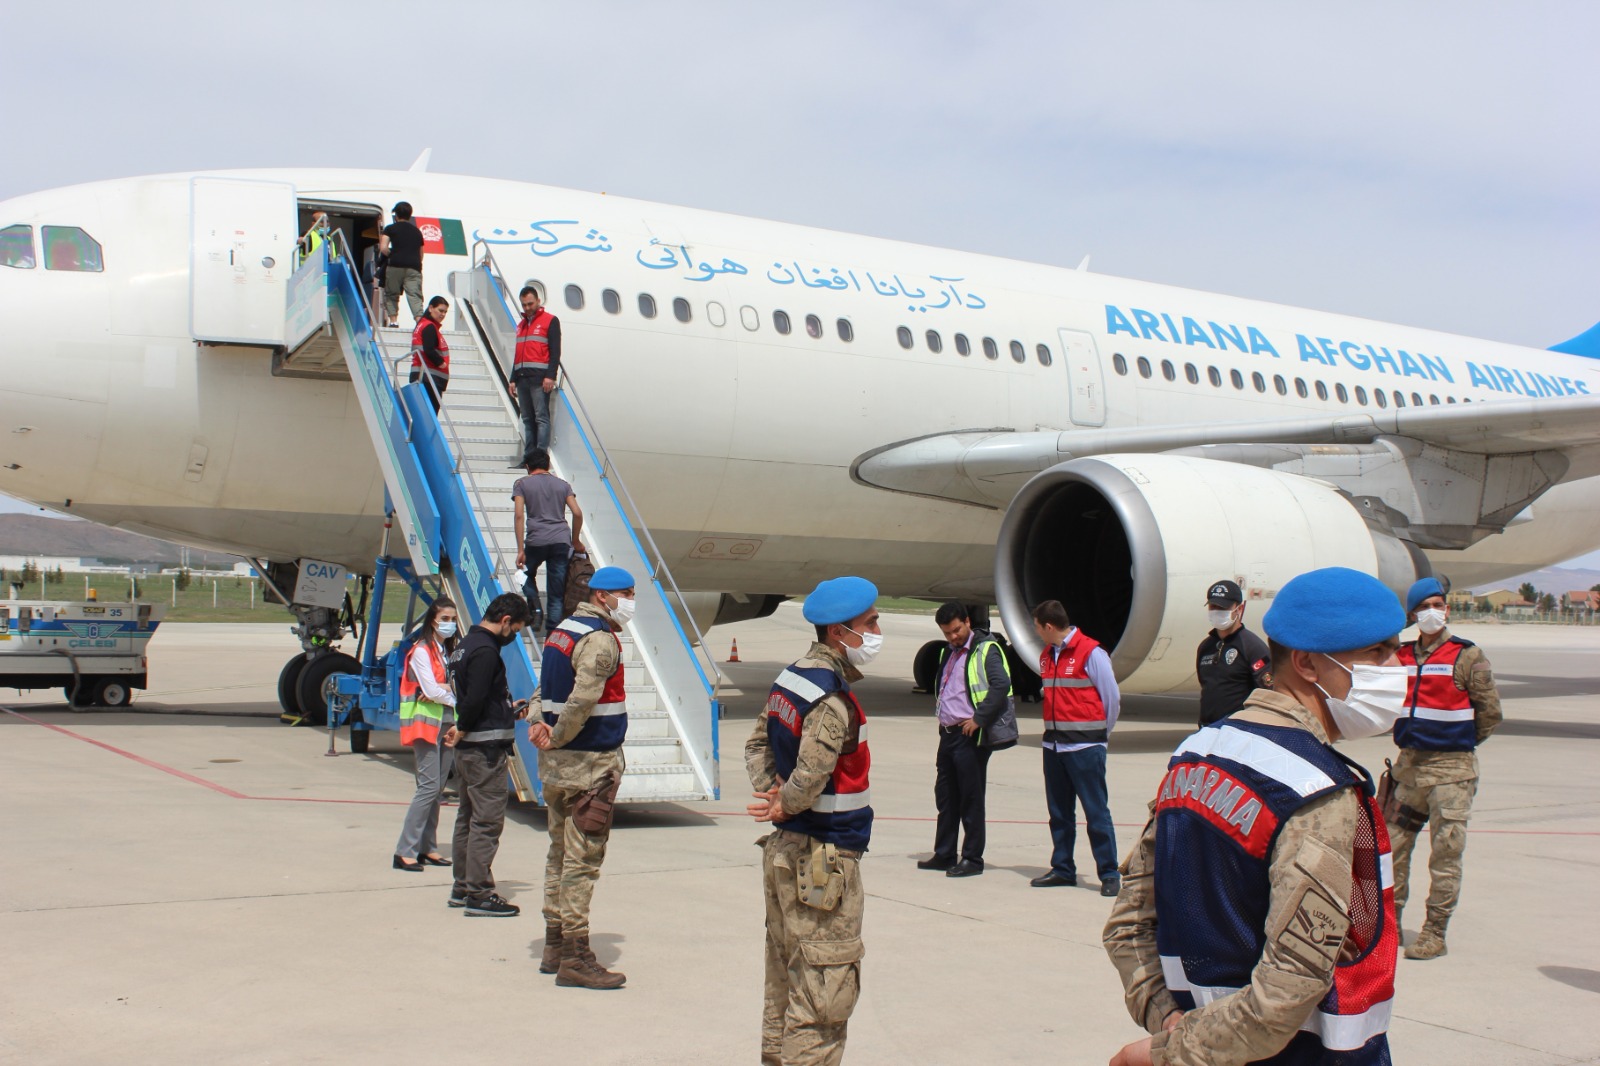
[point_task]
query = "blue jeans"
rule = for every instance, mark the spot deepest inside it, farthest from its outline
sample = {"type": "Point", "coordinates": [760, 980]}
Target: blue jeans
{"type": "Point", "coordinates": [1072, 777]}
{"type": "Point", "coordinates": [534, 403]}
{"type": "Point", "coordinates": [555, 558]}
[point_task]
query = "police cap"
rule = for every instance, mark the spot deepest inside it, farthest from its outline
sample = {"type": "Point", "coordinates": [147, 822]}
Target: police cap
{"type": "Point", "coordinates": [839, 600]}
{"type": "Point", "coordinates": [1333, 609]}
{"type": "Point", "coordinates": [1224, 593]}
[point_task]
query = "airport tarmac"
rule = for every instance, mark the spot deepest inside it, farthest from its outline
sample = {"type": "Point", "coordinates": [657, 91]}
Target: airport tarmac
{"type": "Point", "coordinates": [193, 882]}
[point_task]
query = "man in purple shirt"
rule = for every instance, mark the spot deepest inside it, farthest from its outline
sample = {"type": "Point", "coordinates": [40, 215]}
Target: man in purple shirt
{"type": "Point", "coordinates": [976, 716]}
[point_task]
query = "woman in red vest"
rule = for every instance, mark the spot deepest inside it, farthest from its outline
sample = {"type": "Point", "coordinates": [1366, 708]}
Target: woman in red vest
{"type": "Point", "coordinates": [430, 355]}
{"type": "Point", "coordinates": [427, 711]}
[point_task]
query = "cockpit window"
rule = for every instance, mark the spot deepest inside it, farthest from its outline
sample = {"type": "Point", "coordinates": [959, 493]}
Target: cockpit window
{"type": "Point", "coordinates": [16, 247]}
{"type": "Point", "coordinates": [69, 248]}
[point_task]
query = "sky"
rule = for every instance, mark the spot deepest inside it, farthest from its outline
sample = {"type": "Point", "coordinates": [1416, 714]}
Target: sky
{"type": "Point", "coordinates": [1432, 164]}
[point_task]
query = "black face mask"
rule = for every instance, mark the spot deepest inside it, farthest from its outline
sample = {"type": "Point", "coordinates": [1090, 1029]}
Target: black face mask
{"type": "Point", "coordinates": [504, 639]}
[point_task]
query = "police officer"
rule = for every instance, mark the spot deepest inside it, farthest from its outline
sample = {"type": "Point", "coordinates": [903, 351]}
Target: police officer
{"type": "Point", "coordinates": [1256, 923]}
{"type": "Point", "coordinates": [1452, 706]}
{"type": "Point", "coordinates": [581, 764]}
{"type": "Point", "coordinates": [1231, 661]}
{"type": "Point", "coordinates": [808, 762]}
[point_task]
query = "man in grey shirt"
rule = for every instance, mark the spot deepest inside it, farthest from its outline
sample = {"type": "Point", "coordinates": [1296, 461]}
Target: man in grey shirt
{"type": "Point", "coordinates": [542, 501]}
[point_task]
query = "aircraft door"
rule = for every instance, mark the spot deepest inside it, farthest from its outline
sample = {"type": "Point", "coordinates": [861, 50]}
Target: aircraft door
{"type": "Point", "coordinates": [241, 255]}
{"type": "Point", "coordinates": [1084, 378]}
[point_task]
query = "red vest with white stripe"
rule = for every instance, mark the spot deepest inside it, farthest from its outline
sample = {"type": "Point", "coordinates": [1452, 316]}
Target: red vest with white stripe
{"type": "Point", "coordinates": [842, 815]}
{"type": "Point", "coordinates": [607, 726]}
{"type": "Point", "coordinates": [1227, 791]}
{"type": "Point", "coordinates": [1073, 710]}
{"type": "Point", "coordinates": [1440, 715]}
{"type": "Point", "coordinates": [417, 360]}
{"type": "Point", "coordinates": [533, 341]}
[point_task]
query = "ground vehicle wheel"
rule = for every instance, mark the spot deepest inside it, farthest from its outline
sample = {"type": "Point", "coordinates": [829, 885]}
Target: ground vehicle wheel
{"type": "Point", "coordinates": [78, 692]}
{"type": "Point", "coordinates": [925, 666]}
{"type": "Point", "coordinates": [316, 683]}
{"type": "Point", "coordinates": [359, 738]}
{"type": "Point", "coordinates": [112, 692]}
{"type": "Point", "coordinates": [289, 685]}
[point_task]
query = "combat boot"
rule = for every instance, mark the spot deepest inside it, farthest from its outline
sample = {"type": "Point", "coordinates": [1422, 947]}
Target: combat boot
{"type": "Point", "coordinates": [1429, 943]}
{"type": "Point", "coordinates": [578, 972]}
{"type": "Point", "coordinates": [551, 961]}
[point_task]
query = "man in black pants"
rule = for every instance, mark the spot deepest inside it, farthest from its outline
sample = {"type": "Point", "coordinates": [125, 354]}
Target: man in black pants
{"type": "Point", "coordinates": [485, 730]}
{"type": "Point", "coordinates": [972, 693]}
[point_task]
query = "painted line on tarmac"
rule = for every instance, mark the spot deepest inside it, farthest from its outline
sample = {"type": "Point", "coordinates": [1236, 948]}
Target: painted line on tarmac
{"type": "Point", "coordinates": [1140, 825]}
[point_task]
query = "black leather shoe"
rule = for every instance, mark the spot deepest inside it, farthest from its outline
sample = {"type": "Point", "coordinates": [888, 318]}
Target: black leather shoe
{"type": "Point", "coordinates": [1054, 880]}
{"type": "Point", "coordinates": [430, 860]}
{"type": "Point", "coordinates": [1111, 887]}
{"type": "Point", "coordinates": [935, 863]}
{"type": "Point", "coordinates": [965, 868]}
{"type": "Point", "coordinates": [408, 867]}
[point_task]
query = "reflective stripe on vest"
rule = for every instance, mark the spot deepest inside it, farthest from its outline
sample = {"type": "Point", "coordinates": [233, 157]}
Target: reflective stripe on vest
{"type": "Point", "coordinates": [1073, 710]}
{"type": "Point", "coordinates": [1336, 1032]}
{"type": "Point", "coordinates": [607, 725]}
{"type": "Point", "coordinates": [850, 801]}
{"type": "Point", "coordinates": [533, 341]}
{"type": "Point", "coordinates": [417, 361]}
{"type": "Point", "coordinates": [420, 718]}
{"type": "Point", "coordinates": [978, 674]}
{"type": "Point", "coordinates": [599, 709]}
{"type": "Point", "coordinates": [1441, 716]}
{"type": "Point", "coordinates": [482, 736]}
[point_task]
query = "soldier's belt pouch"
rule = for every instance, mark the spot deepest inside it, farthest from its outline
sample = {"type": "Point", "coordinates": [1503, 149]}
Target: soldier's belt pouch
{"type": "Point", "coordinates": [595, 808]}
{"type": "Point", "coordinates": [820, 877]}
{"type": "Point", "coordinates": [1396, 813]}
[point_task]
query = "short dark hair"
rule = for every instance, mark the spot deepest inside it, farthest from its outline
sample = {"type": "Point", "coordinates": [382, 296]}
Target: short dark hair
{"type": "Point", "coordinates": [951, 612]}
{"type": "Point", "coordinates": [539, 459]}
{"type": "Point", "coordinates": [1051, 613]}
{"type": "Point", "coordinates": [437, 300]}
{"type": "Point", "coordinates": [402, 210]}
{"type": "Point", "coordinates": [529, 290]}
{"type": "Point", "coordinates": [1279, 657]}
{"type": "Point", "coordinates": [822, 634]}
{"type": "Point", "coordinates": [506, 605]}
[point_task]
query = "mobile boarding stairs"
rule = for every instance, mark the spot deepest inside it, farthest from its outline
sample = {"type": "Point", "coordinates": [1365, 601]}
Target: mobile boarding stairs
{"type": "Point", "coordinates": [451, 523]}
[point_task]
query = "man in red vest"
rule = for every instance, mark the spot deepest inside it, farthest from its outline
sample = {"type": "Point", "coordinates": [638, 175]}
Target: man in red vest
{"type": "Point", "coordinates": [1452, 706]}
{"type": "Point", "coordinates": [1081, 700]}
{"type": "Point", "coordinates": [538, 361]}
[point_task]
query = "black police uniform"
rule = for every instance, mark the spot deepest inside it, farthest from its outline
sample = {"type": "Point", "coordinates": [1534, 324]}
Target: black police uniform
{"type": "Point", "coordinates": [1229, 668]}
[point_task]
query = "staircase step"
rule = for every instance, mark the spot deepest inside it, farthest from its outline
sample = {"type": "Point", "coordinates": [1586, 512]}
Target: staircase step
{"type": "Point", "coordinates": [653, 751]}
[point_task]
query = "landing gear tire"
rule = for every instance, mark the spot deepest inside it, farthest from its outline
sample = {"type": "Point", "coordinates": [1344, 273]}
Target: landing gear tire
{"type": "Point", "coordinates": [316, 683]}
{"type": "Point", "coordinates": [925, 667]}
{"type": "Point", "coordinates": [289, 687]}
{"type": "Point", "coordinates": [111, 692]}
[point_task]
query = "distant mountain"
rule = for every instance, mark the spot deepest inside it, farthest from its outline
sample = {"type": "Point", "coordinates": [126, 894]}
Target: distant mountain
{"type": "Point", "coordinates": [26, 534]}
{"type": "Point", "coordinates": [1552, 579]}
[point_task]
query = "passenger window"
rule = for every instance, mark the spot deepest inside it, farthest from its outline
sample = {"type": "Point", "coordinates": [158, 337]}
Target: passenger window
{"type": "Point", "coordinates": [1043, 352]}
{"type": "Point", "coordinates": [1214, 376]}
{"type": "Point", "coordinates": [1380, 397]}
{"type": "Point", "coordinates": [16, 247]}
{"type": "Point", "coordinates": [903, 334]}
{"type": "Point", "coordinates": [1144, 367]}
{"type": "Point", "coordinates": [680, 309]}
{"type": "Point", "coordinates": [991, 350]}
{"type": "Point", "coordinates": [1300, 389]}
{"type": "Point", "coordinates": [1168, 371]}
{"type": "Point", "coordinates": [1258, 381]}
{"type": "Point", "coordinates": [1192, 373]}
{"type": "Point", "coordinates": [1120, 364]}
{"type": "Point", "coordinates": [963, 346]}
{"type": "Point", "coordinates": [780, 322]}
{"type": "Point", "coordinates": [814, 327]}
{"type": "Point", "coordinates": [716, 314]}
{"type": "Point", "coordinates": [1416, 399]}
{"type": "Point", "coordinates": [647, 305]}
{"type": "Point", "coordinates": [611, 302]}
{"type": "Point", "coordinates": [1019, 354]}
{"type": "Point", "coordinates": [847, 332]}
{"type": "Point", "coordinates": [1399, 398]}
{"type": "Point", "coordinates": [1339, 391]}
{"type": "Point", "coordinates": [1361, 395]}
{"type": "Point", "coordinates": [749, 318]}
{"type": "Point", "coordinates": [935, 342]}
{"type": "Point", "coordinates": [1237, 379]}
{"type": "Point", "coordinates": [1449, 399]}
{"type": "Point", "coordinates": [1433, 399]}
{"type": "Point", "coordinates": [574, 298]}
{"type": "Point", "coordinates": [69, 248]}
{"type": "Point", "coordinates": [1281, 385]}
{"type": "Point", "coordinates": [1322, 391]}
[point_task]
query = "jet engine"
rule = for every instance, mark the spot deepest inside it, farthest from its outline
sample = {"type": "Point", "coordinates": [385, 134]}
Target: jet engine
{"type": "Point", "coordinates": [1129, 544]}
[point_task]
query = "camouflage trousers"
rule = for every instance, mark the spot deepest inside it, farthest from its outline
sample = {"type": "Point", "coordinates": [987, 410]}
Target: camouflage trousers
{"type": "Point", "coordinates": [813, 959]}
{"type": "Point", "coordinates": [573, 864]}
{"type": "Point", "coordinates": [1447, 806]}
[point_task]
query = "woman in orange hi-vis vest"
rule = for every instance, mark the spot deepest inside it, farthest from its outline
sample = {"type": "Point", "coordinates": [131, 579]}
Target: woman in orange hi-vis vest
{"type": "Point", "coordinates": [427, 712]}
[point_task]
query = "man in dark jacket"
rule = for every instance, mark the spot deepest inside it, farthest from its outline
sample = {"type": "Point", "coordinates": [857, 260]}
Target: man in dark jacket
{"type": "Point", "coordinates": [972, 695]}
{"type": "Point", "coordinates": [485, 730]}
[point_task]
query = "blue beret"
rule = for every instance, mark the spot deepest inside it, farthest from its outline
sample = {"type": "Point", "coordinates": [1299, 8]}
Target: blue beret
{"type": "Point", "coordinates": [1333, 609]}
{"type": "Point", "coordinates": [611, 579]}
{"type": "Point", "coordinates": [840, 600]}
{"type": "Point", "coordinates": [1428, 586]}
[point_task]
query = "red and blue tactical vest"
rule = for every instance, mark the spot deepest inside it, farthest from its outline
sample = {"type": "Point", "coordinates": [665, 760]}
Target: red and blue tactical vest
{"type": "Point", "coordinates": [417, 360]}
{"type": "Point", "coordinates": [1440, 715]}
{"type": "Point", "coordinates": [842, 815]}
{"type": "Point", "coordinates": [533, 341]}
{"type": "Point", "coordinates": [1073, 710]}
{"type": "Point", "coordinates": [607, 726]}
{"type": "Point", "coordinates": [1227, 791]}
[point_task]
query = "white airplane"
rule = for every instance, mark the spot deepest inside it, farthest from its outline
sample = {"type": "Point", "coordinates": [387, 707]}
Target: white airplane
{"type": "Point", "coordinates": [791, 403]}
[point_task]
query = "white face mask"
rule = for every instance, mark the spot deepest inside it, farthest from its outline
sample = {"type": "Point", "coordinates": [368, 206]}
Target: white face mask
{"type": "Point", "coordinates": [871, 645]}
{"type": "Point", "coordinates": [622, 613]}
{"type": "Point", "coordinates": [1376, 700]}
{"type": "Point", "coordinates": [1219, 619]}
{"type": "Point", "coordinates": [445, 629]}
{"type": "Point", "coordinates": [1430, 621]}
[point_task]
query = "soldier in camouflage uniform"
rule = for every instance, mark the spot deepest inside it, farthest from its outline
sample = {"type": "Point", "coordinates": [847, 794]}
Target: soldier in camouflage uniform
{"type": "Point", "coordinates": [1254, 922]}
{"type": "Point", "coordinates": [808, 762]}
{"type": "Point", "coordinates": [1452, 707]}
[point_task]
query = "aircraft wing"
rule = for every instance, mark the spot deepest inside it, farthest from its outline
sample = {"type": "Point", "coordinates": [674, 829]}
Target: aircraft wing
{"type": "Point", "coordinates": [986, 467]}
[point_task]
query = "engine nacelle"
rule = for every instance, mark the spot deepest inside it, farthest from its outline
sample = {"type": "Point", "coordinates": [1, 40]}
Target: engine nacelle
{"type": "Point", "coordinates": [1129, 543]}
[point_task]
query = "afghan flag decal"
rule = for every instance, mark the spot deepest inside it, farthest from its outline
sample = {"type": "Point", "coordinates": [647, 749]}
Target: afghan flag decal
{"type": "Point", "coordinates": [442, 236]}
